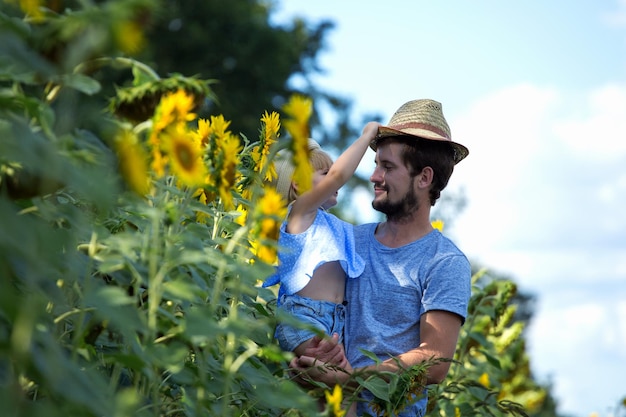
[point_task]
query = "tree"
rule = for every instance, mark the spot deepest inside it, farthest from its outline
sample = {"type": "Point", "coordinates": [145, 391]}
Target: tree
{"type": "Point", "coordinates": [235, 44]}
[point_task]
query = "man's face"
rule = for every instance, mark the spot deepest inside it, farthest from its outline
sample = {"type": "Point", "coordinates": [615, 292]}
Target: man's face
{"type": "Point", "coordinates": [394, 188]}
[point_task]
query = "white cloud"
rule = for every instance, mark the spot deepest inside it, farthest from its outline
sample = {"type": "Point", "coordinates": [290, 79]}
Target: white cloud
{"type": "Point", "coordinates": [578, 343]}
{"type": "Point", "coordinates": [544, 270]}
{"type": "Point", "coordinates": [532, 191]}
{"type": "Point", "coordinates": [609, 193]}
{"type": "Point", "coordinates": [617, 17]}
{"type": "Point", "coordinates": [602, 134]}
{"type": "Point", "coordinates": [621, 329]}
{"type": "Point", "coordinates": [504, 132]}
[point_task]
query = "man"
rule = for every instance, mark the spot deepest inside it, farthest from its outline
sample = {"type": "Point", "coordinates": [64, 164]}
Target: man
{"type": "Point", "coordinates": [411, 300]}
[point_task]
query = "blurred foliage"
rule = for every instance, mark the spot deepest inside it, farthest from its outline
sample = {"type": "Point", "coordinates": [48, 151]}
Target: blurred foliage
{"type": "Point", "coordinates": [491, 369]}
{"type": "Point", "coordinates": [130, 291]}
{"type": "Point", "coordinates": [257, 64]}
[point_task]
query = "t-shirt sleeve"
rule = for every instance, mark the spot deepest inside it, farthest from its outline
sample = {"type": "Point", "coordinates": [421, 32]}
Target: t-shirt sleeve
{"type": "Point", "coordinates": [448, 286]}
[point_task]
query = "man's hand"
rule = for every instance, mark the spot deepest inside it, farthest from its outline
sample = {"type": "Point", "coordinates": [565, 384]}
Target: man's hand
{"type": "Point", "coordinates": [306, 368]}
{"type": "Point", "coordinates": [327, 350]}
{"type": "Point", "coordinates": [323, 360]}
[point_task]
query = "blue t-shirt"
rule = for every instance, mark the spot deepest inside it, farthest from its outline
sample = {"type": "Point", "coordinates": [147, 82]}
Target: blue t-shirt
{"type": "Point", "coordinates": [397, 286]}
{"type": "Point", "coordinates": [327, 239]}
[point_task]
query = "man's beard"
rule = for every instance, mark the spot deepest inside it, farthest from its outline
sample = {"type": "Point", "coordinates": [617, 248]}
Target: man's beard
{"type": "Point", "coordinates": [398, 210]}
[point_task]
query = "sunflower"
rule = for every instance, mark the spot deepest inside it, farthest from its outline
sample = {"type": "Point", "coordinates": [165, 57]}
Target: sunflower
{"type": "Point", "coordinates": [31, 8]}
{"type": "Point", "coordinates": [260, 153]}
{"type": "Point", "coordinates": [484, 380]}
{"type": "Point", "coordinates": [437, 224]}
{"type": "Point", "coordinates": [246, 193]}
{"type": "Point", "coordinates": [213, 132]}
{"type": "Point", "coordinates": [133, 161]}
{"type": "Point", "coordinates": [219, 125]}
{"type": "Point", "coordinates": [299, 110]}
{"type": "Point", "coordinates": [334, 401]}
{"type": "Point", "coordinates": [129, 37]}
{"type": "Point", "coordinates": [203, 132]}
{"type": "Point", "coordinates": [271, 121]}
{"type": "Point", "coordinates": [205, 197]}
{"type": "Point", "coordinates": [265, 253]}
{"type": "Point", "coordinates": [185, 156]}
{"type": "Point", "coordinates": [174, 108]}
{"type": "Point", "coordinates": [228, 173]}
{"type": "Point", "coordinates": [272, 209]}
{"type": "Point", "coordinates": [242, 217]}
{"type": "Point", "coordinates": [268, 215]}
{"type": "Point", "coordinates": [303, 173]}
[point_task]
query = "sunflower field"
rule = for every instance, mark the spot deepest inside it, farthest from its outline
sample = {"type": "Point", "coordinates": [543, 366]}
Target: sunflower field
{"type": "Point", "coordinates": [134, 236]}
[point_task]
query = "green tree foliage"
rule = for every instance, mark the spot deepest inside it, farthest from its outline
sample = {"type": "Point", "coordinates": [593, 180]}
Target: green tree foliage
{"type": "Point", "coordinates": [256, 64]}
{"type": "Point", "coordinates": [234, 43]}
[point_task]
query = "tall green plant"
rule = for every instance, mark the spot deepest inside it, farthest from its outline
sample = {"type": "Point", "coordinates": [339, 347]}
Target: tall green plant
{"type": "Point", "coordinates": [113, 303]}
{"type": "Point", "coordinates": [490, 374]}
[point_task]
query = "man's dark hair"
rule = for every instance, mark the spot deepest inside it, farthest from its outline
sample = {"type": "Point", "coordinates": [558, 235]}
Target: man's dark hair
{"type": "Point", "coordinates": [420, 153]}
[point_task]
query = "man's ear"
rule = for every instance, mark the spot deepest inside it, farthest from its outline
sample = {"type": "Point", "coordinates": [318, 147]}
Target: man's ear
{"type": "Point", "coordinates": [425, 178]}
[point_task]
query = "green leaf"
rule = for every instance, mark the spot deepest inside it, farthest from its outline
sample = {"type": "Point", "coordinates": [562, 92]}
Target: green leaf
{"type": "Point", "coordinates": [81, 83]}
{"type": "Point", "coordinates": [370, 355]}
{"type": "Point", "coordinates": [377, 386]}
{"type": "Point", "coordinates": [491, 359]}
{"type": "Point", "coordinates": [479, 338]}
{"type": "Point", "coordinates": [112, 297]}
{"type": "Point", "coordinates": [18, 61]}
{"type": "Point", "coordinates": [113, 305]}
{"type": "Point", "coordinates": [131, 361]}
{"type": "Point", "coordinates": [71, 382]}
{"type": "Point", "coordinates": [170, 357]}
{"type": "Point", "coordinates": [200, 325]}
{"type": "Point", "coordinates": [478, 392]}
{"type": "Point", "coordinates": [181, 290]}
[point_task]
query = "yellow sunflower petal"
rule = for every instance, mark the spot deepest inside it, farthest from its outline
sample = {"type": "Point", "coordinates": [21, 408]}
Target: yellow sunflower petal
{"type": "Point", "coordinates": [185, 157]}
{"type": "Point", "coordinates": [133, 161]}
{"type": "Point", "coordinates": [437, 224]}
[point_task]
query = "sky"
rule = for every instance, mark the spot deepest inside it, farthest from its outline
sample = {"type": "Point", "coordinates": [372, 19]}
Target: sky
{"type": "Point", "coordinates": [537, 91]}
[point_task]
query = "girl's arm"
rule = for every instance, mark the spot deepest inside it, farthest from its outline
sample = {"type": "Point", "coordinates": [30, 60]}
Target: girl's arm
{"type": "Point", "coordinates": [304, 208]}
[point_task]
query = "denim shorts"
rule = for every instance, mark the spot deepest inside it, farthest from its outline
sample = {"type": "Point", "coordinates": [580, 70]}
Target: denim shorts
{"type": "Point", "coordinates": [324, 315]}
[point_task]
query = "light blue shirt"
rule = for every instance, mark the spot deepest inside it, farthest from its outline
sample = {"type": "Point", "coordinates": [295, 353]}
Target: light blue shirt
{"type": "Point", "coordinates": [327, 239]}
{"type": "Point", "coordinates": [397, 286]}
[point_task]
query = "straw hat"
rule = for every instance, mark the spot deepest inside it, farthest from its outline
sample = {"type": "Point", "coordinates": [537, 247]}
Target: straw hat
{"type": "Point", "coordinates": [423, 119]}
{"type": "Point", "coordinates": [285, 169]}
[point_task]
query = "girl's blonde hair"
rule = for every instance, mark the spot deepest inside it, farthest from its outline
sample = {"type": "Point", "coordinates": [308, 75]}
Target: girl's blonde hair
{"type": "Point", "coordinates": [320, 160]}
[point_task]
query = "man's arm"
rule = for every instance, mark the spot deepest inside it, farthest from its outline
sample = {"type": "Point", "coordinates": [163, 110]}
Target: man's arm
{"type": "Point", "coordinates": [439, 332]}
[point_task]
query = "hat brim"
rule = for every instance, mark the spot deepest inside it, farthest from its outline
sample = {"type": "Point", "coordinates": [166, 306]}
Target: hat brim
{"type": "Point", "coordinates": [460, 151]}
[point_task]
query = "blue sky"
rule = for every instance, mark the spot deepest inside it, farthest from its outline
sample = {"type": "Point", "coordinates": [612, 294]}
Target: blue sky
{"type": "Point", "coordinates": [537, 91]}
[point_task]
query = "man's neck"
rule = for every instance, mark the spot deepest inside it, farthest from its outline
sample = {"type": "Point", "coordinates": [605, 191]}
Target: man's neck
{"type": "Point", "coordinates": [394, 234]}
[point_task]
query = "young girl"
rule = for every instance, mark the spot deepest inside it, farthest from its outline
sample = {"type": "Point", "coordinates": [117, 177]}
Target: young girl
{"type": "Point", "coordinates": [316, 249]}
